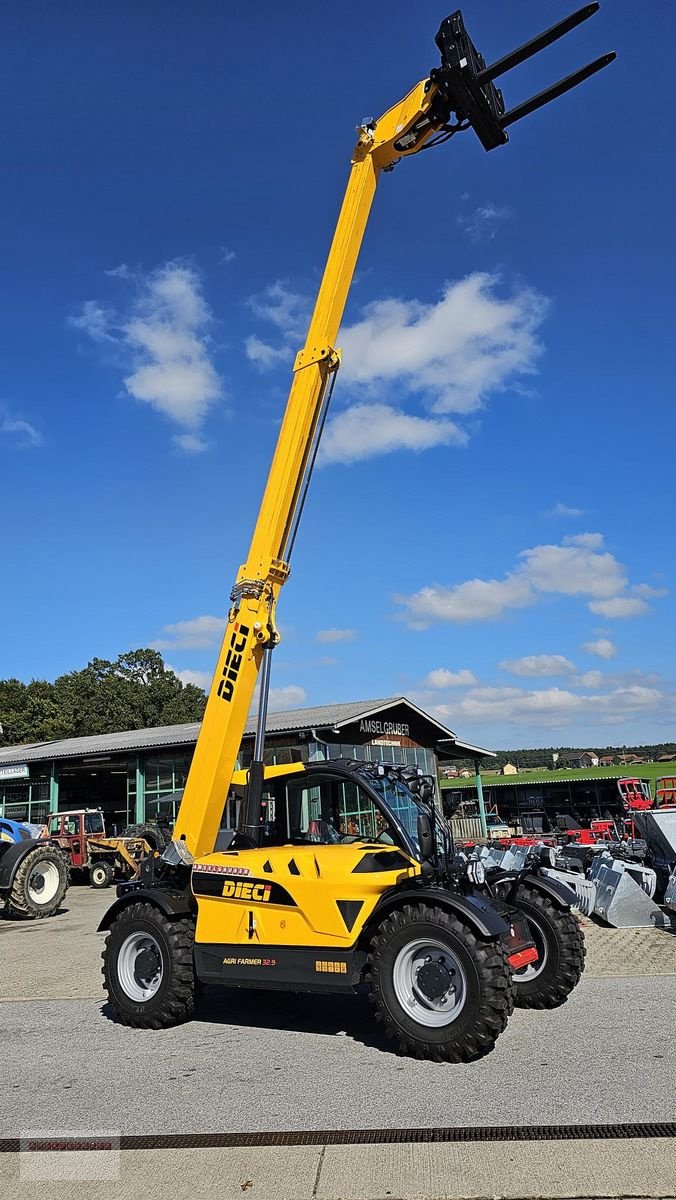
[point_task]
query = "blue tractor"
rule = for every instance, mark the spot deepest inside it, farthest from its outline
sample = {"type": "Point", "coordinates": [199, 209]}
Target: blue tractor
{"type": "Point", "coordinates": [33, 873]}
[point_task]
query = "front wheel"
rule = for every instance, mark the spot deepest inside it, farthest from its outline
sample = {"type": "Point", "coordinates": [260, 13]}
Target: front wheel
{"type": "Point", "coordinates": [440, 991]}
{"type": "Point", "coordinates": [148, 969]}
{"type": "Point", "coordinates": [558, 937]}
{"type": "Point", "coordinates": [101, 874]}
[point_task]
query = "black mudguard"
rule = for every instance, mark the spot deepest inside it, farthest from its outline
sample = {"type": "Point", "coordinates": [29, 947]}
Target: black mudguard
{"type": "Point", "coordinates": [560, 895]}
{"type": "Point", "coordinates": [477, 910]}
{"type": "Point", "coordinates": [172, 903]}
{"type": "Point", "coordinates": [11, 855]}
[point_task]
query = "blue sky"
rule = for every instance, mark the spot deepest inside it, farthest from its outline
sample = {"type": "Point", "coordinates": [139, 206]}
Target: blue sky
{"type": "Point", "coordinates": [491, 530]}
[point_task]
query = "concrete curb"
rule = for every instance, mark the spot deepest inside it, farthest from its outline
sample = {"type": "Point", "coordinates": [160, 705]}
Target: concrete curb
{"type": "Point", "coordinates": [572, 1170]}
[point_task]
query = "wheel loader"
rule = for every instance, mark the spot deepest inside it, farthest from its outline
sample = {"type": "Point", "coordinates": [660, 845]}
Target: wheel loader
{"type": "Point", "coordinates": [341, 874]}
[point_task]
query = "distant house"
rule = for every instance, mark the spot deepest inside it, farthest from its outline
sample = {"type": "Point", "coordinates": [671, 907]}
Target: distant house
{"type": "Point", "coordinates": [631, 760]}
{"type": "Point", "coordinates": [667, 757]}
{"type": "Point", "coordinates": [606, 760]}
{"type": "Point", "coordinates": [580, 758]}
{"type": "Point", "coordinates": [509, 769]}
{"type": "Point", "coordinates": [465, 773]}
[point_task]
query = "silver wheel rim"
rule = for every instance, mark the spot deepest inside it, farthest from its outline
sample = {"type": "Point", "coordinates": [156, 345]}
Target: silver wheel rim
{"type": "Point", "coordinates": [532, 970]}
{"type": "Point", "coordinates": [43, 882]}
{"type": "Point", "coordinates": [99, 873]}
{"type": "Point", "coordinates": [434, 1013]}
{"type": "Point", "coordinates": [138, 984]}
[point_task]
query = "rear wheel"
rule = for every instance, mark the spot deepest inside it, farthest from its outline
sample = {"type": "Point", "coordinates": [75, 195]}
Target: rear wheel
{"type": "Point", "coordinates": [101, 874]}
{"type": "Point", "coordinates": [39, 885]}
{"type": "Point", "coordinates": [148, 969]}
{"type": "Point", "coordinates": [440, 991]}
{"type": "Point", "coordinates": [560, 945]}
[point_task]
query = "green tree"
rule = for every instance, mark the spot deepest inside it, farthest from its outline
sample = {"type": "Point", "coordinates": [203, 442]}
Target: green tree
{"type": "Point", "coordinates": [135, 691]}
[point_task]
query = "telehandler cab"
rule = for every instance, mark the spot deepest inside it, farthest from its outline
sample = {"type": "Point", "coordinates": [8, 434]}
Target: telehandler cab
{"type": "Point", "coordinates": [341, 873]}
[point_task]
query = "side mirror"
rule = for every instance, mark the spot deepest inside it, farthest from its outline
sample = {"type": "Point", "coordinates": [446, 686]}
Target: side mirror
{"type": "Point", "coordinates": [425, 836]}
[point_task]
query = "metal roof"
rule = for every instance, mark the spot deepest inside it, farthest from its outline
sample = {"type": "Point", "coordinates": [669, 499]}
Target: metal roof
{"type": "Point", "coordinates": [324, 717]}
{"type": "Point", "coordinates": [523, 780]}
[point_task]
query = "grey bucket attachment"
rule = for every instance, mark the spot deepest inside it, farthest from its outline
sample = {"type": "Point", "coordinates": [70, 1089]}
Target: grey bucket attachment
{"type": "Point", "coordinates": [622, 902]}
{"type": "Point", "coordinates": [585, 889]}
{"type": "Point", "coordinates": [670, 894]}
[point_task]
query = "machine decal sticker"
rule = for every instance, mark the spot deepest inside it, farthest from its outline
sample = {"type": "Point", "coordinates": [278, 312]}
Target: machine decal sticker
{"type": "Point", "coordinates": [215, 869]}
{"type": "Point", "coordinates": [249, 891]}
{"type": "Point", "coordinates": [233, 661]}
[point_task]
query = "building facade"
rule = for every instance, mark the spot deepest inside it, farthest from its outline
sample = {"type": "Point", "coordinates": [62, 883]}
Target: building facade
{"type": "Point", "coordinates": [138, 775]}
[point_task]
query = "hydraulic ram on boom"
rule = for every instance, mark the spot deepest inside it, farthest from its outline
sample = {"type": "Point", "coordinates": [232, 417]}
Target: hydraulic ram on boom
{"type": "Point", "coordinates": [455, 96]}
{"type": "Point", "coordinates": [341, 873]}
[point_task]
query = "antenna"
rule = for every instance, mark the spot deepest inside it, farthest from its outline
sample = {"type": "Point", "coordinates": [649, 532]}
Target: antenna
{"type": "Point", "coordinates": [466, 85]}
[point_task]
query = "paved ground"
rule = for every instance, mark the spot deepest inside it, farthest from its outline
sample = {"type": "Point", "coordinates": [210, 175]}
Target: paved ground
{"type": "Point", "coordinates": [256, 1061]}
{"type": "Point", "coordinates": [407, 1172]}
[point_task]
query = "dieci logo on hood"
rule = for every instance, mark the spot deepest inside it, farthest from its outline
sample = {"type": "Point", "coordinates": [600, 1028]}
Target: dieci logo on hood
{"type": "Point", "coordinates": [238, 890]}
{"type": "Point", "coordinates": [233, 661]}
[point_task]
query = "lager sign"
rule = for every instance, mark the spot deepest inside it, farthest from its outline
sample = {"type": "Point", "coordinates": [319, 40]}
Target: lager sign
{"type": "Point", "coordinates": [14, 771]}
{"type": "Point", "coordinates": [384, 728]}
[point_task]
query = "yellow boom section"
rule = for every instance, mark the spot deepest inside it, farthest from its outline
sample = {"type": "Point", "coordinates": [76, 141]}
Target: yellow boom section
{"type": "Point", "coordinates": [251, 621]}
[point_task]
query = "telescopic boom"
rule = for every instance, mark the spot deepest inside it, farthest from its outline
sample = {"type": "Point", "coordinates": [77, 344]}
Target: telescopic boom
{"type": "Point", "coordinates": [457, 95]}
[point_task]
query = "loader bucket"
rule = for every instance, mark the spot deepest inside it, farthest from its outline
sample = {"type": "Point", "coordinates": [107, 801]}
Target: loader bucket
{"type": "Point", "coordinates": [622, 902]}
{"type": "Point", "coordinates": [585, 889]}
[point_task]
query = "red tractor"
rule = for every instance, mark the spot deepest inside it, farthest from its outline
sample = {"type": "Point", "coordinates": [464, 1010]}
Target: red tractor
{"type": "Point", "coordinates": [81, 836]}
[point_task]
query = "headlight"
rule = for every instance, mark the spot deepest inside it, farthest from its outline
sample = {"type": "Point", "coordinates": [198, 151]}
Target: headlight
{"type": "Point", "coordinates": [547, 856]}
{"type": "Point", "coordinates": [476, 872]}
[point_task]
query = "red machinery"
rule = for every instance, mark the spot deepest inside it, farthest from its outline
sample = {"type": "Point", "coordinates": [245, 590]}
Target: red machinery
{"type": "Point", "coordinates": [665, 792]}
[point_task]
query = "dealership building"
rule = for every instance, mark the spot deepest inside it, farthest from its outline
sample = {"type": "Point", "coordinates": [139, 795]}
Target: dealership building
{"type": "Point", "coordinates": [135, 776]}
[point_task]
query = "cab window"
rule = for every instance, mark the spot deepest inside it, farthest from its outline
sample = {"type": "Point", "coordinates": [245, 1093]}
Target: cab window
{"type": "Point", "coordinates": [329, 810]}
{"type": "Point", "coordinates": [71, 826]}
{"type": "Point", "coordinates": [93, 823]}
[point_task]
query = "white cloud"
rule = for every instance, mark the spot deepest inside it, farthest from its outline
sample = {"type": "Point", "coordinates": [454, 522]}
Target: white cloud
{"type": "Point", "coordinates": [196, 634]}
{"type": "Point", "coordinates": [565, 510]}
{"type": "Point", "coordinates": [121, 272]}
{"type": "Point", "coordinates": [553, 707]}
{"type": "Point", "coordinates": [327, 636]}
{"type": "Point", "coordinates": [95, 320]}
{"type": "Point", "coordinates": [287, 310]}
{"type": "Point", "coordinates": [440, 677]}
{"type": "Point", "coordinates": [619, 606]}
{"type": "Point", "coordinates": [21, 432]}
{"type": "Point", "coordinates": [264, 355]}
{"type": "Point", "coordinates": [165, 334]}
{"type": "Point", "coordinates": [192, 443]}
{"type": "Point", "coordinates": [283, 698]}
{"type": "Point", "coordinates": [227, 254]}
{"type": "Point", "coordinates": [578, 567]}
{"type": "Point", "coordinates": [589, 679]}
{"type": "Point", "coordinates": [482, 224]}
{"type": "Point", "coordinates": [450, 356]}
{"type": "Point", "coordinates": [369, 429]}
{"type": "Point", "coordinates": [602, 648]}
{"type": "Point", "coordinates": [201, 679]}
{"type": "Point", "coordinates": [453, 353]}
{"type": "Point", "coordinates": [535, 665]}
{"type": "Point", "coordinates": [476, 600]}
{"type": "Point", "coordinates": [648, 592]}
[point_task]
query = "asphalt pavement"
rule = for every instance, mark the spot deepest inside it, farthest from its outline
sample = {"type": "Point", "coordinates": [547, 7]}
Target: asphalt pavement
{"type": "Point", "coordinates": [256, 1061]}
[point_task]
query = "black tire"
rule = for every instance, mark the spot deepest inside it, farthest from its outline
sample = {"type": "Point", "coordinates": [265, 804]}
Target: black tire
{"type": "Point", "coordinates": [559, 932]}
{"type": "Point", "coordinates": [486, 984]}
{"type": "Point", "coordinates": [101, 873]}
{"type": "Point", "coordinates": [40, 884]}
{"type": "Point", "coordinates": [173, 999]}
{"type": "Point", "coordinates": [157, 836]}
